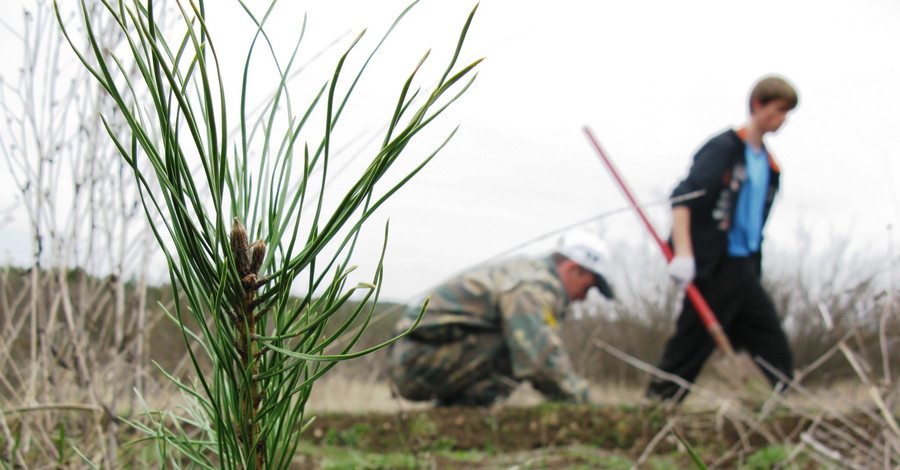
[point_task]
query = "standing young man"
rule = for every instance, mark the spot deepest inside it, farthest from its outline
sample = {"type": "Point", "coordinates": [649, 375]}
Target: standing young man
{"type": "Point", "coordinates": [717, 242]}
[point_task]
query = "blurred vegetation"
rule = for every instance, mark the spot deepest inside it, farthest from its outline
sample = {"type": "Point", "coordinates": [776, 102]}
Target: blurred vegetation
{"type": "Point", "coordinates": [639, 327]}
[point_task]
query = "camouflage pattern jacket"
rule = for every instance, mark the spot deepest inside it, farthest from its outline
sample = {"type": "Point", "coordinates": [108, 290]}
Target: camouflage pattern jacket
{"type": "Point", "coordinates": [521, 299]}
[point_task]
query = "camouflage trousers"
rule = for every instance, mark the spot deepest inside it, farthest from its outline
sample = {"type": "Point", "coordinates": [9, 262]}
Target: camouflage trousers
{"type": "Point", "coordinates": [474, 370]}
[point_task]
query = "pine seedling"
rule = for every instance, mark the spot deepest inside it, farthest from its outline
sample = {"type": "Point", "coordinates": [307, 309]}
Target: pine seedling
{"type": "Point", "coordinates": [257, 348]}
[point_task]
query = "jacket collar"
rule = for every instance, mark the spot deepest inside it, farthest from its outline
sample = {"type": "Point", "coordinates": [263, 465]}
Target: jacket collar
{"type": "Point", "coordinates": [773, 164]}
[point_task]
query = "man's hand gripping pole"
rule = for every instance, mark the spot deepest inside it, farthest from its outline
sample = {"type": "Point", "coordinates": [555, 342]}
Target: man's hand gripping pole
{"type": "Point", "coordinates": [706, 313]}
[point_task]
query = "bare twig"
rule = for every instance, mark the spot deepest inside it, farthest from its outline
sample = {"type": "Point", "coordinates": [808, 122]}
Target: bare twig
{"type": "Point", "coordinates": [648, 450]}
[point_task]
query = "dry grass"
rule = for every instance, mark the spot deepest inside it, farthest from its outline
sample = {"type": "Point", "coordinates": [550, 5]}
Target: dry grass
{"type": "Point", "coordinates": [338, 393]}
{"type": "Point", "coordinates": [341, 393]}
{"type": "Point", "coordinates": [851, 425]}
{"type": "Point", "coordinates": [345, 394]}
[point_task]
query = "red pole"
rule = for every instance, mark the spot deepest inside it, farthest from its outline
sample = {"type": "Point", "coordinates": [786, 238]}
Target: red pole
{"type": "Point", "coordinates": [706, 313]}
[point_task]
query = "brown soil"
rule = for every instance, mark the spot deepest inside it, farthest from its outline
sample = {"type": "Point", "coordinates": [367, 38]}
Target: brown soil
{"type": "Point", "coordinates": [549, 429]}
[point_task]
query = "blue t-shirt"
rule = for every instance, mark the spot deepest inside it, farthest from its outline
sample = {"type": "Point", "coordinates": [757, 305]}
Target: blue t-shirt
{"type": "Point", "coordinates": [746, 231]}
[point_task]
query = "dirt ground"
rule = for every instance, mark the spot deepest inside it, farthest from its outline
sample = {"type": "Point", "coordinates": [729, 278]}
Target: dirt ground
{"type": "Point", "coordinates": [618, 431]}
{"type": "Point", "coordinates": [547, 429]}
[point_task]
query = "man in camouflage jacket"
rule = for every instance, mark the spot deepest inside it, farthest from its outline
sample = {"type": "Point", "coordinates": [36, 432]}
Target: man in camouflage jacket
{"type": "Point", "coordinates": [487, 330]}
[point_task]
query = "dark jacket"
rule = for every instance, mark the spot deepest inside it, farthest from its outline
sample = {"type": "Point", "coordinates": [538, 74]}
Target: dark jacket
{"type": "Point", "coordinates": [720, 169]}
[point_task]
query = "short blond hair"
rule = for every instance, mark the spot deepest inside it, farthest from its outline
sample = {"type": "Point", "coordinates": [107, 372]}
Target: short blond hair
{"type": "Point", "coordinates": [772, 88]}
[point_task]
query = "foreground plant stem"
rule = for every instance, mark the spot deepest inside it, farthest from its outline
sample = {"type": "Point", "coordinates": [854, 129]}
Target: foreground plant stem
{"type": "Point", "coordinates": [248, 259]}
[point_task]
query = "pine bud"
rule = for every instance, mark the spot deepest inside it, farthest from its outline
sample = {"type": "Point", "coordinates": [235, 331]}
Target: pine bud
{"type": "Point", "coordinates": [257, 255]}
{"type": "Point", "coordinates": [239, 247]}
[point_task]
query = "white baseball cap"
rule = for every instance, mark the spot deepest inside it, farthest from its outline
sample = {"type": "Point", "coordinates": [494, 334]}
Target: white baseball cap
{"type": "Point", "coordinates": [591, 256]}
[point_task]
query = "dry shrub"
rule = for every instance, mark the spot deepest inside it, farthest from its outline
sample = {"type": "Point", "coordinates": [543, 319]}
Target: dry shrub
{"type": "Point", "coordinates": [73, 323]}
{"type": "Point", "coordinates": [804, 286]}
{"type": "Point", "coordinates": [825, 298]}
{"type": "Point", "coordinates": [840, 312]}
{"type": "Point", "coordinates": [66, 372]}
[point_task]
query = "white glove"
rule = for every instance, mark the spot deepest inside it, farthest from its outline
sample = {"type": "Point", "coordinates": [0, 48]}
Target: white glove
{"type": "Point", "coordinates": [682, 270]}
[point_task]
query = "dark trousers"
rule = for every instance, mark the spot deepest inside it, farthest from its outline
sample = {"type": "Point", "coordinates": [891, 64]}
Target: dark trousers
{"type": "Point", "coordinates": [746, 313]}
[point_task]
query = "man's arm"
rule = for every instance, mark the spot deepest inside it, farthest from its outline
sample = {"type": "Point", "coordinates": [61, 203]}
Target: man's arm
{"type": "Point", "coordinates": [682, 268]}
{"type": "Point", "coordinates": [681, 232]}
{"type": "Point", "coordinates": [536, 349]}
{"type": "Point", "coordinates": [709, 165]}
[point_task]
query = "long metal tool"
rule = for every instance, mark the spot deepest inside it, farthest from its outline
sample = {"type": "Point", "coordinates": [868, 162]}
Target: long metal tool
{"type": "Point", "coordinates": [706, 314]}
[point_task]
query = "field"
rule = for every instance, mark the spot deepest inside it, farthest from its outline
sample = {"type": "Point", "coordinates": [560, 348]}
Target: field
{"type": "Point", "coordinates": [95, 344]}
{"type": "Point", "coordinates": [619, 431]}
{"type": "Point", "coordinates": [840, 413]}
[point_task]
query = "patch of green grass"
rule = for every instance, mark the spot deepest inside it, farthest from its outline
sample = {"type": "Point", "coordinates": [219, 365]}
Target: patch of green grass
{"type": "Point", "coordinates": [589, 458]}
{"type": "Point", "coordinates": [464, 455]}
{"type": "Point", "coordinates": [423, 426]}
{"type": "Point", "coordinates": [341, 458]}
{"type": "Point", "coordinates": [490, 443]}
{"type": "Point", "coordinates": [443, 444]}
{"type": "Point", "coordinates": [353, 460]}
{"type": "Point", "coordinates": [355, 435]}
{"type": "Point", "coordinates": [766, 457]}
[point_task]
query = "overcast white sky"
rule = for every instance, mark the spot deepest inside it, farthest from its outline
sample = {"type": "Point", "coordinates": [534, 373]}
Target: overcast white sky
{"type": "Point", "coordinates": [652, 78]}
